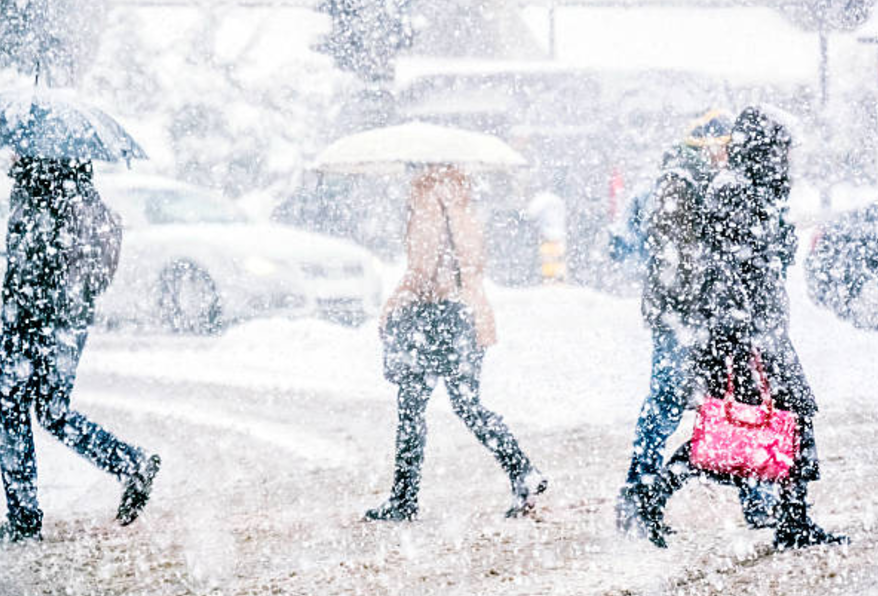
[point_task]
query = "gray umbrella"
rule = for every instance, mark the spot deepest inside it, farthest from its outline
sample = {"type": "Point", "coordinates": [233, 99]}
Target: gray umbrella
{"type": "Point", "coordinates": [53, 124]}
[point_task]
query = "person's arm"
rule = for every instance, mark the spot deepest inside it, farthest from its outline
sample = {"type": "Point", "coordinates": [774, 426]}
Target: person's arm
{"type": "Point", "coordinates": [665, 237]}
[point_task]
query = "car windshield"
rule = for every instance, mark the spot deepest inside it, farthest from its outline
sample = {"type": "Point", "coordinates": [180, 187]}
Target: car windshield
{"type": "Point", "coordinates": [173, 206]}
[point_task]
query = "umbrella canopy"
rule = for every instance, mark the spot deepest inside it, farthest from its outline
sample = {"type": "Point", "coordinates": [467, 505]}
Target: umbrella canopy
{"type": "Point", "coordinates": [389, 150]}
{"type": "Point", "coordinates": [53, 124]}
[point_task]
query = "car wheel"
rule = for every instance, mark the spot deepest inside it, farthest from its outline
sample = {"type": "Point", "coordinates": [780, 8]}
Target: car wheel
{"type": "Point", "coordinates": [188, 299]}
{"type": "Point", "coordinates": [863, 304]}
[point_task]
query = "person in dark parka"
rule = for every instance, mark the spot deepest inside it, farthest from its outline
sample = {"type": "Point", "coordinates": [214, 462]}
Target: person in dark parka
{"type": "Point", "coordinates": [748, 245]}
{"type": "Point", "coordinates": [62, 246]}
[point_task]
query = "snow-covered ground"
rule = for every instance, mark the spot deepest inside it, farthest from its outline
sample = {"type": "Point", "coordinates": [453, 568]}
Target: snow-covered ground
{"type": "Point", "coordinates": [277, 435]}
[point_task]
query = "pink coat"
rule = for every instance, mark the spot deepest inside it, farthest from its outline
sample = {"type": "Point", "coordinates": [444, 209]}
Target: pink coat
{"type": "Point", "coordinates": [439, 203]}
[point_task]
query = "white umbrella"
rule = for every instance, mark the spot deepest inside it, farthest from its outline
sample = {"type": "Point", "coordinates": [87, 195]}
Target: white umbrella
{"type": "Point", "coordinates": [389, 150]}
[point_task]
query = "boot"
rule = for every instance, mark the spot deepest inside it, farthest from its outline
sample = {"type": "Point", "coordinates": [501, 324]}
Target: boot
{"type": "Point", "coordinates": [759, 506]}
{"type": "Point", "coordinates": [392, 510]}
{"type": "Point", "coordinates": [12, 533]}
{"type": "Point", "coordinates": [628, 520]}
{"type": "Point", "coordinates": [640, 513]}
{"type": "Point", "coordinates": [524, 490]}
{"type": "Point", "coordinates": [403, 502]}
{"type": "Point", "coordinates": [804, 535]}
{"type": "Point", "coordinates": [795, 529]}
{"type": "Point", "coordinates": [137, 490]}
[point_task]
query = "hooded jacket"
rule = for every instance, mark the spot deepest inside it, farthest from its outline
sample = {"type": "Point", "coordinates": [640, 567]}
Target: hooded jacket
{"type": "Point", "coordinates": [47, 282]}
{"type": "Point", "coordinates": [748, 245]}
{"type": "Point", "coordinates": [673, 232]}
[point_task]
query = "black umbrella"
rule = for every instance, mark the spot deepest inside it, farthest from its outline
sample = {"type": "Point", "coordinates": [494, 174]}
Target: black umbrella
{"type": "Point", "coordinates": [53, 124]}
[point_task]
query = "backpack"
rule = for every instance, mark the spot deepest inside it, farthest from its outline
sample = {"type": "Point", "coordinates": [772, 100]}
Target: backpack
{"type": "Point", "coordinates": [96, 246]}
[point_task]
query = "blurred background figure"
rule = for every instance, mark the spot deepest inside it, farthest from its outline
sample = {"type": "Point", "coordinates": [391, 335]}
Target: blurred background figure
{"type": "Point", "coordinates": [550, 213]}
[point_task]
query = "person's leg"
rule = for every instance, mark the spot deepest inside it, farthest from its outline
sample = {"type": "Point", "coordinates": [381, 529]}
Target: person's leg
{"type": "Point", "coordinates": [653, 498]}
{"type": "Point", "coordinates": [759, 502]}
{"type": "Point", "coordinates": [18, 460]}
{"type": "Point", "coordinates": [660, 416]}
{"type": "Point", "coordinates": [491, 431]}
{"type": "Point", "coordinates": [134, 468]}
{"type": "Point", "coordinates": [795, 528]}
{"type": "Point", "coordinates": [487, 426]}
{"type": "Point", "coordinates": [52, 408]}
{"type": "Point", "coordinates": [662, 409]}
{"type": "Point", "coordinates": [790, 391]}
{"type": "Point", "coordinates": [411, 435]}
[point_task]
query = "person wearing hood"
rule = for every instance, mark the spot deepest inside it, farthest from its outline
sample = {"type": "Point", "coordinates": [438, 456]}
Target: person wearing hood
{"type": "Point", "coordinates": [748, 243]}
{"type": "Point", "coordinates": [62, 247]}
{"type": "Point", "coordinates": [436, 325]}
{"type": "Point", "coordinates": [672, 222]}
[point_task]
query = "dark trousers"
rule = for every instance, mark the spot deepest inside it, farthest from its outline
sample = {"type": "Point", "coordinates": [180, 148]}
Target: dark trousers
{"type": "Point", "coordinates": [38, 371]}
{"type": "Point", "coordinates": [442, 345]}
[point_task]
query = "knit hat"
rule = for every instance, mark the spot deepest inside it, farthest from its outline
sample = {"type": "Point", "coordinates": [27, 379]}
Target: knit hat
{"type": "Point", "coordinates": [713, 128]}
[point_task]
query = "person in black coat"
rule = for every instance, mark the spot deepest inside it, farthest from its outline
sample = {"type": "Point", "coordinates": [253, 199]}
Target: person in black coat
{"type": "Point", "coordinates": [61, 242]}
{"type": "Point", "coordinates": [748, 244]}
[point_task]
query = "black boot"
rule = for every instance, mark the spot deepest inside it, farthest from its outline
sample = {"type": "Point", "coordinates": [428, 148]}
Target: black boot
{"type": "Point", "coordinates": [392, 510]}
{"type": "Point", "coordinates": [795, 529]}
{"type": "Point", "coordinates": [640, 509]}
{"type": "Point", "coordinates": [403, 502]}
{"type": "Point", "coordinates": [640, 512]}
{"type": "Point", "coordinates": [759, 506]}
{"type": "Point", "coordinates": [524, 489]}
{"type": "Point", "coordinates": [11, 533]}
{"type": "Point", "coordinates": [628, 520]}
{"type": "Point", "coordinates": [138, 487]}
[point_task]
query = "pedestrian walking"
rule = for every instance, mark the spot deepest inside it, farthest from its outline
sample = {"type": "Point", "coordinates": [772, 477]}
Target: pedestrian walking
{"type": "Point", "coordinates": [748, 244]}
{"type": "Point", "coordinates": [62, 248]}
{"type": "Point", "coordinates": [673, 228]}
{"type": "Point", "coordinates": [437, 324]}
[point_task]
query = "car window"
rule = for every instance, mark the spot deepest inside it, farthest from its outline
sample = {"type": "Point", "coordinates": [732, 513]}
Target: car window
{"type": "Point", "coordinates": [161, 206]}
{"type": "Point", "coordinates": [172, 207]}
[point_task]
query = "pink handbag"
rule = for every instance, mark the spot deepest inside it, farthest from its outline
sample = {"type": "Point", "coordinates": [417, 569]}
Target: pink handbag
{"type": "Point", "coordinates": [743, 440]}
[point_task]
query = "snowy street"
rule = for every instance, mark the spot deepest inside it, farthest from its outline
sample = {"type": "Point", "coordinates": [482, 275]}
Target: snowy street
{"type": "Point", "coordinates": [277, 436]}
{"type": "Point", "coordinates": [207, 206]}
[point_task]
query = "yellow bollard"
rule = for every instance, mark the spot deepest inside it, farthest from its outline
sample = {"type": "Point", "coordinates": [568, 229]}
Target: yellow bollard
{"type": "Point", "coordinates": [554, 267]}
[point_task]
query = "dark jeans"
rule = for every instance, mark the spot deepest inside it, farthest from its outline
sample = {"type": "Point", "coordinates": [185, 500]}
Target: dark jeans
{"type": "Point", "coordinates": [660, 416]}
{"type": "Point", "coordinates": [444, 349]}
{"type": "Point", "coordinates": [39, 370]}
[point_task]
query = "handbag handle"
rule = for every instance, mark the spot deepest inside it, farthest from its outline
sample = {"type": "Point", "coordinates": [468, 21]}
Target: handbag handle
{"type": "Point", "coordinates": [764, 386]}
{"type": "Point", "coordinates": [767, 405]}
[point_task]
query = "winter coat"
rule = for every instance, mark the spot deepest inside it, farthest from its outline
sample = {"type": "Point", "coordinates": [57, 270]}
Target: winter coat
{"type": "Point", "coordinates": [445, 252]}
{"type": "Point", "coordinates": [748, 244]}
{"type": "Point", "coordinates": [673, 232]}
{"type": "Point", "coordinates": [60, 240]}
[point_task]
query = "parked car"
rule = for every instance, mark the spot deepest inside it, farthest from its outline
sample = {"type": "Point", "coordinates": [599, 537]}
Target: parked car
{"type": "Point", "coordinates": [192, 261]}
{"type": "Point", "coordinates": [842, 267]}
